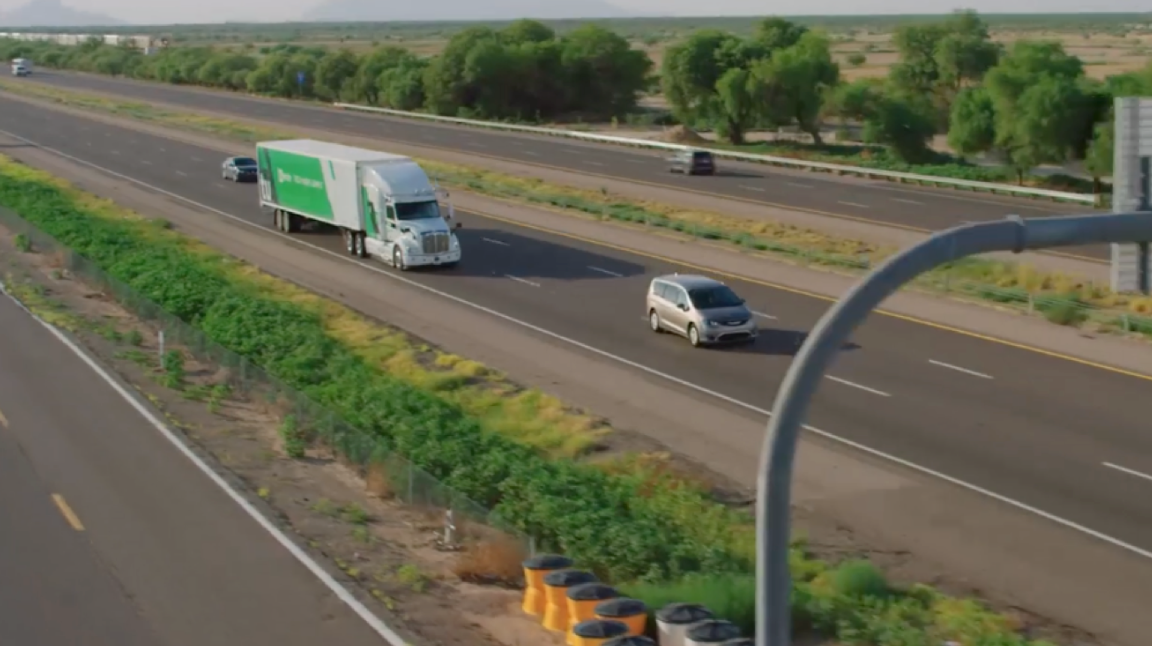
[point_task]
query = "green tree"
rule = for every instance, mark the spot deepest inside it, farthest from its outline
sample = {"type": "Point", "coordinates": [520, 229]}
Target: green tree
{"type": "Point", "coordinates": [965, 53]}
{"type": "Point", "coordinates": [445, 84]}
{"type": "Point", "coordinates": [335, 74]}
{"type": "Point", "coordinates": [972, 126]}
{"type": "Point", "coordinates": [918, 70]}
{"type": "Point", "coordinates": [737, 106]}
{"type": "Point", "coordinates": [227, 70]}
{"type": "Point", "coordinates": [904, 125]}
{"type": "Point", "coordinates": [690, 72]}
{"type": "Point", "coordinates": [794, 81]}
{"type": "Point", "coordinates": [777, 33]}
{"type": "Point", "coordinates": [527, 31]}
{"type": "Point", "coordinates": [856, 59]}
{"type": "Point", "coordinates": [1040, 103]}
{"type": "Point", "coordinates": [1099, 158]}
{"type": "Point", "coordinates": [402, 86]}
{"type": "Point", "coordinates": [366, 82]}
{"type": "Point", "coordinates": [605, 75]}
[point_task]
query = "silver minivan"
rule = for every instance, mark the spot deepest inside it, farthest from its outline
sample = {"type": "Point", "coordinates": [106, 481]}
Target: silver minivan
{"type": "Point", "coordinates": [703, 310]}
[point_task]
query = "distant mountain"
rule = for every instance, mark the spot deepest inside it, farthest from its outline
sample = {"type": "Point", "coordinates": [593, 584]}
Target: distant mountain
{"type": "Point", "coordinates": [459, 10]}
{"type": "Point", "coordinates": [53, 13]}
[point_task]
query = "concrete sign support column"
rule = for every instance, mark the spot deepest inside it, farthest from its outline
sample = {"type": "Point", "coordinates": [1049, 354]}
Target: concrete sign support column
{"type": "Point", "coordinates": [1131, 190]}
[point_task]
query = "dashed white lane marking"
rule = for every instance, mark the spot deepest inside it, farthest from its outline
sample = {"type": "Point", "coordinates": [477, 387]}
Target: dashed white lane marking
{"type": "Point", "coordinates": [752, 188]}
{"type": "Point", "coordinates": [181, 173]}
{"type": "Point", "coordinates": [529, 152]}
{"type": "Point", "coordinates": [799, 185]}
{"type": "Point", "coordinates": [1131, 472]}
{"type": "Point", "coordinates": [490, 240]}
{"type": "Point", "coordinates": [763, 315]}
{"type": "Point", "coordinates": [145, 162]}
{"type": "Point", "coordinates": [521, 280]}
{"type": "Point", "coordinates": [114, 152]}
{"type": "Point", "coordinates": [855, 204]}
{"type": "Point", "coordinates": [959, 369]}
{"type": "Point", "coordinates": [196, 159]}
{"type": "Point", "coordinates": [900, 199]}
{"type": "Point", "coordinates": [856, 385]}
{"type": "Point", "coordinates": [592, 163]}
{"type": "Point", "coordinates": [605, 271]}
{"type": "Point", "coordinates": [388, 275]}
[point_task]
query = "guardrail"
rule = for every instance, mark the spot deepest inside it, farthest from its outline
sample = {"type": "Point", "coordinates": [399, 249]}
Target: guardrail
{"type": "Point", "coordinates": [838, 169]}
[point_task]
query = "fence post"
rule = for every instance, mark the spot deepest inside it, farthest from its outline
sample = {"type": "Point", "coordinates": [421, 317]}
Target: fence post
{"type": "Point", "coordinates": [160, 346]}
{"type": "Point", "coordinates": [411, 480]}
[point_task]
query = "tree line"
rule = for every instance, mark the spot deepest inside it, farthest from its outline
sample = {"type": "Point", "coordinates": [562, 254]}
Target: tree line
{"type": "Point", "coordinates": [1030, 103]}
{"type": "Point", "coordinates": [523, 72]}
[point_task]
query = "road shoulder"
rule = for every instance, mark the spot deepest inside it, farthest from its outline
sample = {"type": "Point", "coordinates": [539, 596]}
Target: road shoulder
{"type": "Point", "coordinates": [847, 504]}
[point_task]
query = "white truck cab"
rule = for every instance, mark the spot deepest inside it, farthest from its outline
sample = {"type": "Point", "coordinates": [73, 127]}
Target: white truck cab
{"type": "Point", "coordinates": [21, 67]}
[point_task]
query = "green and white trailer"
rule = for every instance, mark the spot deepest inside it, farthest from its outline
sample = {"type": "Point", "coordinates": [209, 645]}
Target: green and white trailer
{"type": "Point", "coordinates": [384, 205]}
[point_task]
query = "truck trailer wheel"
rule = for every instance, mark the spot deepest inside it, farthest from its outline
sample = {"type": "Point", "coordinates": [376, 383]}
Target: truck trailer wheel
{"type": "Point", "coordinates": [292, 223]}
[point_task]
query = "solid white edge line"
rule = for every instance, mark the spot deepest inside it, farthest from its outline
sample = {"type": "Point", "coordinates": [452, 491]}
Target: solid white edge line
{"type": "Point", "coordinates": [1011, 502]}
{"type": "Point", "coordinates": [1131, 472]}
{"type": "Point", "coordinates": [521, 280]}
{"type": "Point", "coordinates": [959, 369]}
{"type": "Point", "coordinates": [605, 271]}
{"type": "Point", "coordinates": [307, 561]}
{"type": "Point", "coordinates": [856, 385]}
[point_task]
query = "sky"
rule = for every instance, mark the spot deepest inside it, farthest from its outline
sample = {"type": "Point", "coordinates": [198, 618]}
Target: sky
{"type": "Point", "coordinates": [138, 12]}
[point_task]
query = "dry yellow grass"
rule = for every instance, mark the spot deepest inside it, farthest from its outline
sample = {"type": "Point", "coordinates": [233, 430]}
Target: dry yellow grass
{"type": "Point", "coordinates": [530, 416]}
{"type": "Point", "coordinates": [537, 419]}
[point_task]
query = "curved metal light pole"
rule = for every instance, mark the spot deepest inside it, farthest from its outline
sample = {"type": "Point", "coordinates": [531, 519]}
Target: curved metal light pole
{"type": "Point", "coordinates": [773, 503]}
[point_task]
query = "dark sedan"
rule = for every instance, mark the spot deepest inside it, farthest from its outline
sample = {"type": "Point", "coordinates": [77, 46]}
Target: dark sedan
{"type": "Point", "coordinates": [239, 169]}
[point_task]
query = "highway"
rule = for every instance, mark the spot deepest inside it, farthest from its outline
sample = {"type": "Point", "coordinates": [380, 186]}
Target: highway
{"type": "Point", "coordinates": [881, 202]}
{"type": "Point", "coordinates": [109, 535]}
{"type": "Point", "coordinates": [1037, 429]}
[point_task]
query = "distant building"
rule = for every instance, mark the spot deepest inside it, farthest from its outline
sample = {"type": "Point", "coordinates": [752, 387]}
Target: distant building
{"type": "Point", "coordinates": [145, 43]}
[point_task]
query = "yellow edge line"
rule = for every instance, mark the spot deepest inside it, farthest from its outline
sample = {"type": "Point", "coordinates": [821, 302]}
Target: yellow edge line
{"type": "Point", "coordinates": [67, 512]}
{"type": "Point", "coordinates": [802, 292]}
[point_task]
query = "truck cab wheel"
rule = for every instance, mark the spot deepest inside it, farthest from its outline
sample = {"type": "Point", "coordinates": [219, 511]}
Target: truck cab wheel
{"type": "Point", "coordinates": [398, 259]}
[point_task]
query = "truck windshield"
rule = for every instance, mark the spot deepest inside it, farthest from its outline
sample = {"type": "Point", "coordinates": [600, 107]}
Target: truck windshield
{"type": "Point", "coordinates": [418, 210]}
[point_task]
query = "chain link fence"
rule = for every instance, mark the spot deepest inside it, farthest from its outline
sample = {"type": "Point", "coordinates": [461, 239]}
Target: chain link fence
{"type": "Point", "coordinates": [388, 474]}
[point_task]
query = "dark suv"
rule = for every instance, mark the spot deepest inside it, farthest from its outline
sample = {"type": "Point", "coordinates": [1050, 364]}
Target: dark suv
{"type": "Point", "coordinates": [692, 162]}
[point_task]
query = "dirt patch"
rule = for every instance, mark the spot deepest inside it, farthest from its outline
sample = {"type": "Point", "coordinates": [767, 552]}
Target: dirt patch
{"type": "Point", "coordinates": [681, 135]}
{"type": "Point", "coordinates": [395, 553]}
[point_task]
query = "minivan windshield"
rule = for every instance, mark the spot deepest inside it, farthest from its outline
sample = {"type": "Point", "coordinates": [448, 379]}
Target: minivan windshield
{"type": "Point", "coordinates": [710, 298]}
{"type": "Point", "coordinates": [245, 162]}
{"type": "Point", "coordinates": [418, 210]}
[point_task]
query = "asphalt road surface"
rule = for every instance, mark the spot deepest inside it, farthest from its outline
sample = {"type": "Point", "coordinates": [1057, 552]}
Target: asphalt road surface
{"type": "Point", "coordinates": [108, 535]}
{"type": "Point", "coordinates": [882, 202]}
{"type": "Point", "coordinates": [1035, 428]}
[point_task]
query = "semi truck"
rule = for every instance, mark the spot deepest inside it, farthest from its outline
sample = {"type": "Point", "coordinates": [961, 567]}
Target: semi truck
{"type": "Point", "coordinates": [384, 205]}
{"type": "Point", "coordinates": [21, 67]}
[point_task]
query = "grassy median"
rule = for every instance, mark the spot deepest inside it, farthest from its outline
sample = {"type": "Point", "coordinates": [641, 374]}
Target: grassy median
{"type": "Point", "coordinates": [1062, 299]}
{"type": "Point", "coordinates": [659, 536]}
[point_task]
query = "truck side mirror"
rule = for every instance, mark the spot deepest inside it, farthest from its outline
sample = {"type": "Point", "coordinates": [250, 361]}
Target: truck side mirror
{"type": "Point", "coordinates": [459, 225]}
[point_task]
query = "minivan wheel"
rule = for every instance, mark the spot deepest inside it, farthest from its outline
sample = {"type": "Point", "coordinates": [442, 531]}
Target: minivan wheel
{"type": "Point", "coordinates": [654, 321]}
{"type": "Point", "coordinates": [693, 336]}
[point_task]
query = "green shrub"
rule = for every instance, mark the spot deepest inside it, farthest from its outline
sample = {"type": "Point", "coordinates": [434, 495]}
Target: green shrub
{"type": "Point", "coordinates": [628, 526]}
